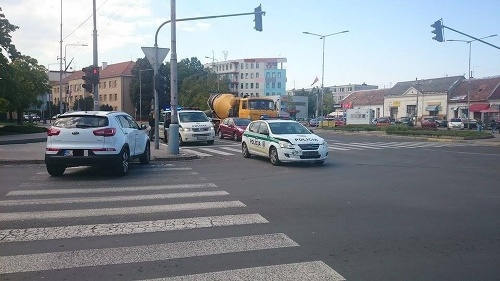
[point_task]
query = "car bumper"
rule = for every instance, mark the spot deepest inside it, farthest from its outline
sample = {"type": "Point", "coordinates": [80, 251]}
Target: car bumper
{"type": "Point", "coordinates": [189, 137]}
{"type": "Point", "coordinates": [292, 155]}
{"type": "Point", "coordinates": [84, 160]}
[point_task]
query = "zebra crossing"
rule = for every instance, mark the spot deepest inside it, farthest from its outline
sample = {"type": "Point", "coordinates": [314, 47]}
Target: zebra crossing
{"type": "Point", "coordinates": [234, 149]}
{"type": "Point", "coordinates": [51, 211]}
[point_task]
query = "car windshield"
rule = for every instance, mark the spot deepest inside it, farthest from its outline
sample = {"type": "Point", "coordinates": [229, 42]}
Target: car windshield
{"type": "Point", "coordinates": [81, 121]}
{"type": "Point", "coordinates": [283, 128]}
{"type": "Point", "coordinates": [192, 117]}
{"type": "Point", "coordinates": [456, 120]}
{"type": "Point", "coordinates": [242, 122]}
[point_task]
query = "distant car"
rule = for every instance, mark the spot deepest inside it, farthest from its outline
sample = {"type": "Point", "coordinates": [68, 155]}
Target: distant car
{"type": "Point", "coordinates": [283, 141]}
{"type": "Point", "coordinates": [405, 121]}
{"type": "Point", "coordinates": [96, 138]}
{"type": "Point", "coordinates": [428, 122]}
{"type": "Point", "coordinates": [316, 121]}
{"type": "Point", "coordinates": [455, 123]}
{"type": "Point", "coordinates": [468, 124]}
{"type": "Point", "coordinates": [384, 121]}
{"type": "Point", "coordinates": [233, 128]}
{"type": "Point", "coordinates": [441, 123]}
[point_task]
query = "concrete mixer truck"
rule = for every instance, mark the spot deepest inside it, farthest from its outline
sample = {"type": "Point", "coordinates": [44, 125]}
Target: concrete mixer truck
{"type": "Point", "coordinates": [227, 105]}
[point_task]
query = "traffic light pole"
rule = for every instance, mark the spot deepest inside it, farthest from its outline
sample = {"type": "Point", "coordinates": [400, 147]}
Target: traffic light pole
{"type": "Point", "coordinates": [476, 39]}
{"type": "Point", "coordinates": [173, 135]}
{"type": "Point", "coordinates": [95, 62]}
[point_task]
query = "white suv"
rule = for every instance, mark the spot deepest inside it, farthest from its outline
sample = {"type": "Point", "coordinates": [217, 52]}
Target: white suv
{"type": "Point", "coordinates": [95, 138]}
{"type": "Point", "coordinates": [194, 126]}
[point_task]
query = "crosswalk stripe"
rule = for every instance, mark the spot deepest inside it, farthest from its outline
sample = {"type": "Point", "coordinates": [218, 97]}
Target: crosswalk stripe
{"type": "Point", "coordinates": [350, 147]}
{"type": "Point", "coordinates": [231, 149]}
{"type": "Point", "coordinates": [111, 198]}
{"type": "Point", "coordinates": [145, 253]}
{"type": "Point", "coordinates": [195, 152]}
{"type": "Point", "coordinates": [304, 271]}
{"type": "Point", "coordinates": [337, 148]}
{"type": "Point", "coordinates": [362, 146]}
{"type": "Point", "coordinates": [73, 231]}
{"type": "Point", "coordinates": [215, 151]}
{"type": "Point", "coordinates": [39, 215]}
{"type": "Point", "coordinates": [107, 189]}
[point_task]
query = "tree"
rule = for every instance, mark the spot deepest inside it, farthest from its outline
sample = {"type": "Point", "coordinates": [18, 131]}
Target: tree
{"type": "Point", "coordinates": [30, 81]}
{"type": "Point", "coordinates": [6, 71]}
{"type": "Point", "coordinates": [86, 103]}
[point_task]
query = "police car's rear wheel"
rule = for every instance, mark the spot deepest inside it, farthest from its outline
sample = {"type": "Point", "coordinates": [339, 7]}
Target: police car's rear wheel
{"type": "Point", "coordinates": [273, 156]}
{"type": "Point", "coordinates": [244, 150]}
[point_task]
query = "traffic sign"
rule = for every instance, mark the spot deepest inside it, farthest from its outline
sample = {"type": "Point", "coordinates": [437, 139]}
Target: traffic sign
{"type": "Point", "coordinates": [149, 52]}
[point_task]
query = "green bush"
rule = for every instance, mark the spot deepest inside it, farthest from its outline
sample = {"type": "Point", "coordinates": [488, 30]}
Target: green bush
{"type": "Point", "coordinates": [21, 129]}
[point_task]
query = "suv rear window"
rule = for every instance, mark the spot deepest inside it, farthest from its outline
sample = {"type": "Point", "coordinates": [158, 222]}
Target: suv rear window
{"type": "Point", "coordinates": [81, 121]}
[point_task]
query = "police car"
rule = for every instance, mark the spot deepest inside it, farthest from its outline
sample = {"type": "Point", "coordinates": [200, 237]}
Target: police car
{"type": "Point", "coordinates": [283, 141]}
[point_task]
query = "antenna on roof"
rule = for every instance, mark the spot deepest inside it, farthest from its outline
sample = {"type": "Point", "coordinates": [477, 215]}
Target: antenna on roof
{"type": "Point", "coordinates": [225, 55]}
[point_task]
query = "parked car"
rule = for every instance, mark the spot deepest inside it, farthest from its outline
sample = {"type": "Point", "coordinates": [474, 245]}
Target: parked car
{"type": "Point", "coordinates": [95, 138]}
{"type": "Point", "coordinates": [468, 124]}
{"type": "Point", "coordinates": [441, 123]}
{"type": "Point", "coordinates": [428, 122]}
{"type": "Point", "coordinates": [233, 128]}
{"type": "Point", "coordinates": [314, 122]}
{"type": "Point", "coordinates": [384, 121]}
{"type": "Point", "coordinates": [455, 123]}
{"type": "Point", "coordinates": [283, 141]}
{"type": "Point", "coordinates": [405, 121]}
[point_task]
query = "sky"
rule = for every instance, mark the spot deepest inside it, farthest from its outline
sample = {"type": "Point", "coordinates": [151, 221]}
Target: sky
{"type": "Point", "coordinates": [387, 42]}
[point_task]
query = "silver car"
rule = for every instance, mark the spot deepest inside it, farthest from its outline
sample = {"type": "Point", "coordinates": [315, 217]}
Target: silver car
{"type": "Point", "coordinates": [455, 123]}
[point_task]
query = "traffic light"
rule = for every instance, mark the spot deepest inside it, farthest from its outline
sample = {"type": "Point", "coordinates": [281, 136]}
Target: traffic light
{"type": "Point", "coordinates": [95, 75]}
{"type": "Point", "coordinates": [438, 30]}
{"type": "Point", "coordinates": [87, 79]}
{"type": "Point", "coordinates": [258, 18]}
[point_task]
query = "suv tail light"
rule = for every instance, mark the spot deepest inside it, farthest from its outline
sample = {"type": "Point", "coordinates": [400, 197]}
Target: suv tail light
{"type": "Point", "coordinates": [53, 131]}
{"type": "Point", "coordinates": [106, 132]}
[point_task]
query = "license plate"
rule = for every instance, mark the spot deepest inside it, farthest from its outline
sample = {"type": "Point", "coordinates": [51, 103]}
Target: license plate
{"type": "Point", "coordinates": [201, 138]}
{"type": "Point", "coordinates": [309, 153]}
{"type": "Point", "coordinates": [76, 152]}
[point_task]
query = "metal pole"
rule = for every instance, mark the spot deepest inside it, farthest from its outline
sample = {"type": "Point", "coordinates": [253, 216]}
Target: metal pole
{"type": "Point", "coordinates": [173, 136]}
{"type": "Point", "coordinates": [60, 66]}
{"type": "Point", "coordinates": [140, 95]}
{"type": "Point", "coordinates": [468, 88]}
{"type": "Point", "coordinates": [96, 87]}
{"type": "Point", "coordinates": [323, 77]}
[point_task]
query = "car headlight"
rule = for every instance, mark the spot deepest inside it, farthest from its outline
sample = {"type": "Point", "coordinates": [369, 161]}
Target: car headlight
{"type": "Point", "coordinates": [285, 144]}
{"type": "Point", "coordinates": [185, 129]}
{"type": "Point", "coordinates": [324, 144]}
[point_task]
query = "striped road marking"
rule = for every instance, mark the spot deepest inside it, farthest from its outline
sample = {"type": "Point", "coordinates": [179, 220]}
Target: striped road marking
{"type": "Point", "coordinates": [107, 189]}
{"type": "Point", "coordinates": [39, 215]}
{"type": "Point", "coordinates": [111, 198]}
{"type": "Point", "coordinates": [304, 271]}
{"type": "Point", "coordinates": [145, 253]}
{"type": "Point", "coordinates": [186, 150]}
{"type": "Point", "coordinates": [49, 233]}
{"type": "Point", "coordinates": [231, 149]}
{"type": "Point", "coordinates": [215, 151]}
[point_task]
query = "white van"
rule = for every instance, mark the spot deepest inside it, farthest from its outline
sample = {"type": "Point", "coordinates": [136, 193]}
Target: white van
{"type": "Point", "coordinates": [194, 126]}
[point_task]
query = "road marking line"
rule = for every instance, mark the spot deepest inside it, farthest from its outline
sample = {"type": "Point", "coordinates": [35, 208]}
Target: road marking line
{"type": "Point", "coordinates": [232, 149]}
{"type": "Point", "coordinates": [81, 213]}
{"type": "Point", "coordinates": [111, 198]}
{"type": "Point", "coordinates": [215, 151]}
{"type": "Point", "coordinates": [346, 144]}
{"type": "Point", "coordinates": [145, 253]}
{"type": "Point", "coordinates": [337, 148]}
{"type": "Point", "coordinates": [107, 189]}
{"type": "Point", "coordinates": [73, 231]}
{"type": "Point", "coordinates": [196, 152]}
{"type": "Point", "coordinates": [304, 271]}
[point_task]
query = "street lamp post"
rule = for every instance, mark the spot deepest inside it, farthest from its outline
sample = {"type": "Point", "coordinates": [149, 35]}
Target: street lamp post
{"type": "Point", "coordinates": [140, 91]}
{"type": "Point", "coordinates": [323, 37]}
{"type": "Point", "coordinates": [470, 73]}
{"type": "Point", "coordinates": [65, 49]}
{"type": "Point", "coordinates": [213, 68]}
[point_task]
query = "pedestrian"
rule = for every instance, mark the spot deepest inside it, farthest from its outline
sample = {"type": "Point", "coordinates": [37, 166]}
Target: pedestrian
{"type": "Point", "coordinates": [479, 125]}
{"type": "Point", "coordinates": [493, 125]}
{"type": "Point", "coordinates": [151, 120]}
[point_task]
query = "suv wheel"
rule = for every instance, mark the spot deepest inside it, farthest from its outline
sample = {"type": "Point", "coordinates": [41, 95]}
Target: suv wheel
{"type": "Point", "coordinates": [146, 156]}
{"type": "Point", "coordinates": [55, 170]}
{"type": "Point", "coordinates": [123, 165]}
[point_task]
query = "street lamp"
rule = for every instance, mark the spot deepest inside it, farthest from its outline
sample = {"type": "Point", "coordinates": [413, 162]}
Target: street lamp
{"type": "Point", "coordinates": [140, 91]}
{"type": "Point", "coordinates": [213, 68]}
{"type": "Point", "coordinates": [71, 44]}
{"type": "Point", "coordinates": [470, 73]}
{"type": "Point", "coordinates": [323, 65]}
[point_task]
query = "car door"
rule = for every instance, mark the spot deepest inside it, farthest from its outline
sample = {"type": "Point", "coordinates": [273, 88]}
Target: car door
{"type": "Point", "coordinates": [140, 138]}
{"type": "Point", "coordinates": [263, 143]}
{"type": "Point", "coordinates": [253, 137]}
{"type": "Point", "coordinates": [223, 127]}
{"type": "Point", "coordinates": [128, 132]}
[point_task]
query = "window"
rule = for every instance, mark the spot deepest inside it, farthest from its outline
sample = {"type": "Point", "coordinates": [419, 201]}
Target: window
{"type": "Point", "coordinates": [274, 75]}
{"type": "Point", "coordinates": [246, 75]}
{"type": "Point", "coordinates": [109, 86]}
{"type": "Point", "coordinates": [256, 65]}
{"type": "Point", "coordinates": [100, 97]}
{"type": "Point", "coordinates": [273, 85]}
{"type": "Point", "coordinates": [246, 65]}
{"type": "Point", "coordinates": [104, 85]}
{"type": "Point", "coordinates": [242, 66]}
{"type": "Point", "coordinates": [115, 84]}
{"type": "Point", "coordinates": [246, 85]}
{"type": "Point", "coordinates": [116, 96]}
{"type": "Point", "coordinates": [251, 85]}
{"type": "Point", "coordinates": [267, 85]}
{"type": "Point", "coordinates": [241, 75]}
{"type": "Point", "coordinates": [257, 75]}
{"type": "Point", "coordinates": [279, 74]}
{"type": "Point", "coordinates": [256, 85]}
{"type": "Point", "coordinates": [279, 85]}
{"type": "Point", "coordinates": [251, 65]}
{"type": "Point", "coordinates": [251, 75]}
{"type": "Point", "coordinates": [110, 97]}
{"type": "Point", "coordinates": [105, 96]}
{"type": "Point", "coordinates": [268, 75]}
{"type": "Point", "coordinates": [241, 85]}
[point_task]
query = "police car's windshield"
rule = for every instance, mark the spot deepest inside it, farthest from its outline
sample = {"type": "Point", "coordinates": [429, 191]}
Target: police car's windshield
{"type": "Point", "coordinates": [192, 117]}
{"type": "Point", "coordinates": [283, 128]}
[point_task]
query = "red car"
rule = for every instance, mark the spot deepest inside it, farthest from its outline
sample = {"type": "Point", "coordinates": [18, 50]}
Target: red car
{"type": "Point", "coordinates": [233, 128]}
{"type": "Point", "coordinates": [429, 122]}
{"type": "Point", "coordinates": [384, 121]}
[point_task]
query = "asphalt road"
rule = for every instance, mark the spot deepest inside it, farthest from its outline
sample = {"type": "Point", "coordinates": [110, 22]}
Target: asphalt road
{"type": "Point", "coordinates": [378, 209]}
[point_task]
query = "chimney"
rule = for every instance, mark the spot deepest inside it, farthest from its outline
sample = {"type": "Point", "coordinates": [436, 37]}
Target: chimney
{"type": "Point", "coordinates": [104, 65]}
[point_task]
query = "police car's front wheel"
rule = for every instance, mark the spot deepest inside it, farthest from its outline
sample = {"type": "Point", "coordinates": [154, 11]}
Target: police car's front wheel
{"type": "Point", "coordinates": [273, 156]}
{"type": "Point", "coordinates": [244, 150]}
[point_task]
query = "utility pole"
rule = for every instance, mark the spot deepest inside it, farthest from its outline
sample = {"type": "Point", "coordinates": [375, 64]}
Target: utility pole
{"type": "Point", "coordinates": [95, 62]}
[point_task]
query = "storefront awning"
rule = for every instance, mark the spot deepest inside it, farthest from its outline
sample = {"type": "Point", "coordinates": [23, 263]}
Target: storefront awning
{"type": "Point", "coordinates": [432, 108]}
{"type": "Point", "coordinates": [491, 110]}
{"type": "Point", "coordinates": [477, 107]}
